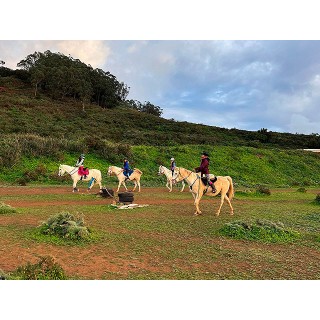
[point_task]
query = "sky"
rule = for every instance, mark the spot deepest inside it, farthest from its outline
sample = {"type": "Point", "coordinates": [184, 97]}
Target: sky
{"type": "Point", "coordinates": [243, 84]}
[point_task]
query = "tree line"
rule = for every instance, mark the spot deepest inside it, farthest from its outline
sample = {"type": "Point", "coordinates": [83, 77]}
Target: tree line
{"type": "Point", "coordinates": [61, 76]}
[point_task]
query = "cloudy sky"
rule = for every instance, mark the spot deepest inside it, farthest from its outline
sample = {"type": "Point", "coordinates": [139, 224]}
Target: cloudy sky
{"type": "Point", "coordinates": [234, 84]}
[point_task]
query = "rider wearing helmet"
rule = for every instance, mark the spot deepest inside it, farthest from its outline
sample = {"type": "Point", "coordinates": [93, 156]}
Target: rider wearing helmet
{"type": "Point", "coordinates": [172, 165]}
{"type": "Point", "coordinates": [204, 169]}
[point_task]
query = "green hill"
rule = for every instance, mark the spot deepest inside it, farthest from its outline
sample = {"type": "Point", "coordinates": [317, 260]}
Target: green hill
{"type": "Point", "coordinates": [39, 133]}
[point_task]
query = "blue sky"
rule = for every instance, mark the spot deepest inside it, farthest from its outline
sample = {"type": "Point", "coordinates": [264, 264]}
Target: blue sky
{"type": "Point", "coordinates": [233, 84]}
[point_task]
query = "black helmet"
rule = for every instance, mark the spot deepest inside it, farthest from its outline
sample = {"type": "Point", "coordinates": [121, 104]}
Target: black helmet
{"type": "Point", "coordinates": [205, 154]}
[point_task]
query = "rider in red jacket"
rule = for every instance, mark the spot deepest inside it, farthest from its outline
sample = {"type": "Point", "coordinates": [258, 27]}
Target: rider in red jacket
{"type": "Point", "coordinates": [204, 169]}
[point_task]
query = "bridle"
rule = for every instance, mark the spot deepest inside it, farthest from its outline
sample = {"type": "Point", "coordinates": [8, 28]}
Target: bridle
{"type": "Point", "coordinates": [71, 173]}
{"type": "Point", "coordinates": [179, 173]}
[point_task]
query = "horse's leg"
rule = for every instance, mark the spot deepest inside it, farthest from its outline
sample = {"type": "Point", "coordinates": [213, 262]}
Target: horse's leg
{"type": "Point", "coordinates": [167, 185]}
{"type": "Point", "coordinates": [138, 182]}
{"type": "Point", "coordinates": [170, 182]}
{"type": "Point", "coordinates": [135, 185]}
{"type": "Point", "coordinates": [229, 202]}
{"type": "Point", "coordinates": [197, 196]}
{"type": "Point", "coordinates": [124, 185]}
{"type": "Point", "coordinates": [75, 186]}
{"type": "Point", "coordinates": [223, 194]}
{"type": "Point", "coordinates": [119, 185]}
{"type": "Point", "coordinates": [183, 185]}
{"type": "Point", "coordinates": [196, 203]}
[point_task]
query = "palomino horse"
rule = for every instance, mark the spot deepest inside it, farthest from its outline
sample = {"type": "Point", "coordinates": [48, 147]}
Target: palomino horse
{"type": "Point", "coordinates": [134, 176]}
{"type": "Point", "coordinates": [94, 174]}
{"type": "Point", "coordinates": [168, 173]}
{"type": "Point", "coordinates": [223, 185]}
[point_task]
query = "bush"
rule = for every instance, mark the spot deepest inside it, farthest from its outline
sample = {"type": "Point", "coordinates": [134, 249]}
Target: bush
{"type": "Point", "coordinates": [262, 230]}
{"type": "Point", "coordinates": [303, 190]}
{"type": "Point", "coordinates": [263, 190]}
{"type": "Point", "coordinates": [5, 208]}
{"type": "Point", "coordinates": [65, 225]}
{"type": "Point", "coordinates": [45, 269]}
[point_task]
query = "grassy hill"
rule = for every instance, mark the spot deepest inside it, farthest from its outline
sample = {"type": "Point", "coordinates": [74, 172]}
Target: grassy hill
{"type": "Point", "coordinates": [39, 133]}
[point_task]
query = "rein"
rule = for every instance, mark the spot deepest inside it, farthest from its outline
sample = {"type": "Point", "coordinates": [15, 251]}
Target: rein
{"type": "Point", "coordinates": [188, 177]}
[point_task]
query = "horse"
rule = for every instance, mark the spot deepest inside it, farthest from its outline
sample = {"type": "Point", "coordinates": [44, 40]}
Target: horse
{"type": "Point", "coordinates": [223, 185]}
{"type": "Point", "coordinates": [134, 176]}
{"type": "Point", "coordinates": [73, 171]}
{"type": "Point", "coordinates": [168, 173]}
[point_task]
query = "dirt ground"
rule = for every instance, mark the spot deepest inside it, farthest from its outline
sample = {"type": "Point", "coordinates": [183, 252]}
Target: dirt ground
{"type": "Point", "coordinates": [92, 261]}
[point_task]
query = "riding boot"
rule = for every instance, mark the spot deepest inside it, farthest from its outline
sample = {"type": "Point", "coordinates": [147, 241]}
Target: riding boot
{"type": "Point", "coordinates": [84, 177]}
{"type": "Point", "coordinates": [213, 187]}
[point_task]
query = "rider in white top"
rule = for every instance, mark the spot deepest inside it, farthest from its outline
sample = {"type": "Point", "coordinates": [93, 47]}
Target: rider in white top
{"type": "Point", "coordinates": [80, 161]}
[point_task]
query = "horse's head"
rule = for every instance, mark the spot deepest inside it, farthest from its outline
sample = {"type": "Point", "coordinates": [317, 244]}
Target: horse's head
{"type": "Point", "coordinates": [177, 176]}
{"type": "Point", "coordinates": [161, 171]}
{"type": "Point", "coordinates": [62, 170]}
{"type": "Point", "coordinates": [109, 172]}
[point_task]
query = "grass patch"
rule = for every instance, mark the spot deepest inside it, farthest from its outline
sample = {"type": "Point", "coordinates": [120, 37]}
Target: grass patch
{"type": "Point", "coordinates": [5, 208]}
{"type": "Point", "coordinates": [64, 229]}
{"type": "Point", "coordinates": [46, 269]}
{"type": "Point", "coordinates": [261, 230]}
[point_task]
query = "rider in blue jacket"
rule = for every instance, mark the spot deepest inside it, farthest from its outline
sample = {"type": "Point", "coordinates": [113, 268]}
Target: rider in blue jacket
{"type": "Point", "coordinates": [126, 168]}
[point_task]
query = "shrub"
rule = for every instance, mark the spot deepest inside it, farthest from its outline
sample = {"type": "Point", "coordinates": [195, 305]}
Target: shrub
{"type": "Point", "coordinates": [65, 225]}
{"type": "Point", "coordinates": [261, 230]}
{"type": "Point", "coordinates": [5, 208]}
{"type": "Point", "coordinates": [303, 190]}
{"type": "Point", "coordinates": [46, 269]}
{"type": "Point", "coordinates": [263, 190]}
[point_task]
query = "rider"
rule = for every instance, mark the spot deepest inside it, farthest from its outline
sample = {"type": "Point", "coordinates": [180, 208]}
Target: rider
{"type": "Point", "coordinates": [126, 168]}
{"type": "Point", "coordinates": [172, 165]}
{"type": "Point", "coordinates": [204, 169]}
{"type": "Point", "coordinates": [80, 163]}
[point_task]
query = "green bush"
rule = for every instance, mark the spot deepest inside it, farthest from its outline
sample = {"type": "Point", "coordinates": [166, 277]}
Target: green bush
{"type": "Point", "coordinates": [302, 190]}
{"type": "Point", "coordinates": [263, 190]}
{"type": "Point", "coordinates": [45, 269]}
{"type": "Point", "coordinates": [5, 208]}
{"type": "Point", "coordinates": [65, 225]}
{"type": "Point", "coordinates": [261, 230]}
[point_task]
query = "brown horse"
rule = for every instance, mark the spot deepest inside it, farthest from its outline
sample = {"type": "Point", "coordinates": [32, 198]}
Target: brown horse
{"type": "Point", "coordinates": [223, 185]}
{"type": "Point", "coordinates": [134, 176]}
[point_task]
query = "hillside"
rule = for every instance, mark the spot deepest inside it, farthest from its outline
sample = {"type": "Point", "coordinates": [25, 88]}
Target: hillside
{"type": "Point", "coordinates": [39, 133]}
{"type": "Point", "coordinates": [21, 112]}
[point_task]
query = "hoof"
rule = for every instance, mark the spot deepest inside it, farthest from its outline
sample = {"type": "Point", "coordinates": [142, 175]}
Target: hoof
{"type": "Point", "coordinates": [217, 214]}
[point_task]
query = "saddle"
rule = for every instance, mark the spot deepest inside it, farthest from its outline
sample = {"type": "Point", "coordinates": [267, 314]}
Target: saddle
{"type": "Point", "coordinates": [205, 180]}
{"type": "Point", "coordinates": [83, 171]}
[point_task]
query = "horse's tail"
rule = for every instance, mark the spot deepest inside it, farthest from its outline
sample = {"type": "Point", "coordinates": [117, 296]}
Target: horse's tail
{"type": "Point", "coordinates": [230, 192]}
{"type": "Point", "coordinates": [139, 171]}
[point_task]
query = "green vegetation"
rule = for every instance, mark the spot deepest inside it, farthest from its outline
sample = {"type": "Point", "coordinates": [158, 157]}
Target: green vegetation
{"type": "Point", "coordinates": [66, 225]}
{"type": "Point", "coordinates": [5, 208]}
{"type": "Point", "coordinates": [46, 269]}
{"type": "Point", "coordinates": [261, 230]}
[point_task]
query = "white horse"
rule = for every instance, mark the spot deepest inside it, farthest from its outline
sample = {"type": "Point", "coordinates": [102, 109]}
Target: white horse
{"type": "Point", "coordinates": [135, 177]}
{"type": "Point", "coordinates": [168, 173]}
{"type": "Point", "coordinates": [223, 185]}
{"type": "Point", "coordinates": [94, 174]}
